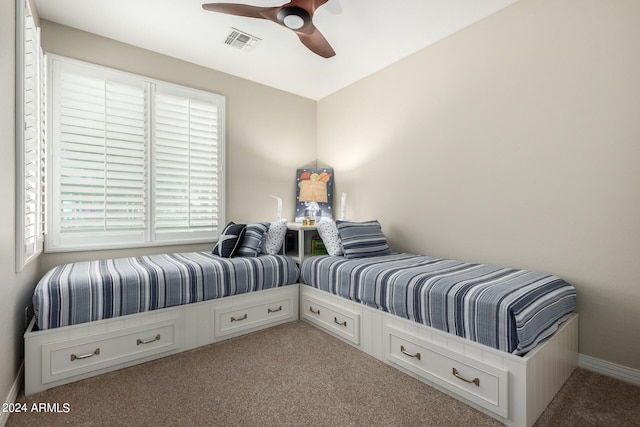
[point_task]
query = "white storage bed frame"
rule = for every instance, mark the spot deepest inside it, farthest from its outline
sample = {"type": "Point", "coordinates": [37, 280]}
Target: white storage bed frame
{"type": "Point", "coordinates": [62, 355]}
{"type": "Point", "coordinates": [515, 390]}
{"type": "Point", "coordinates": [512, 389]}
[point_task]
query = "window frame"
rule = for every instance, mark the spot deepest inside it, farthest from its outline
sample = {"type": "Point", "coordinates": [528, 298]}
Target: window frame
{"type": "Point", "coordinates": [29, 192]}
{"type": "Point", "coordinates": [147, 235]}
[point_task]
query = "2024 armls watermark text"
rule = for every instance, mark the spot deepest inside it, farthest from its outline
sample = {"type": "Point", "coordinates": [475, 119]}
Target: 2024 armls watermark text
{"type": "Point", "coordinates": [50, 408]}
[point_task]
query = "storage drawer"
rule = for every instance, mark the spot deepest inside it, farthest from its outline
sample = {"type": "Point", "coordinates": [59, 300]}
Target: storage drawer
{"type": "Point", "coordinates": [235, 319]}
{"type": "Point", "coordinates": [344, 323]}
{"type": "Point", "coordinates": [474, 380]}
{"type": "Point", "coordinates": [64, 359]}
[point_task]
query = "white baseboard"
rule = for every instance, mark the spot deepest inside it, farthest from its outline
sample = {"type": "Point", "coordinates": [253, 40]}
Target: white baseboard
{"type": "Point", "coordinates": [13, 395]}
{"type": "Point", "coordinates": [609, 369]}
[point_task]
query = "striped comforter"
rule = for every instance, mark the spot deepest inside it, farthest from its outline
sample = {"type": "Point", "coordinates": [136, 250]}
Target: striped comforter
{"type": "Point", "coordinates": [86, 291]}
{"type": "Point", "coordinates": [507, 309]}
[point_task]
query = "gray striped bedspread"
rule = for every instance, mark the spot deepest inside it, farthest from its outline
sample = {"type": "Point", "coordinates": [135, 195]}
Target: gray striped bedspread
{"type": "Point", "coordinates": [86, 291]}
{"type": "Point", "coordinates": [508, 309]}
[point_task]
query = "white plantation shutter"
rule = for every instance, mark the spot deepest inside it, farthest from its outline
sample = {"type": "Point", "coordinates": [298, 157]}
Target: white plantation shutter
{"type": "Point", "coordinates": [29, 150]}
{"type": "Point", "coordinates": [43, 149]}
{"type": "Point", "coordinates": [31, 137]}
{"type": "Point", "coordinates": [116, 183]}
{"type": "Point", "coordinates": [125, 155]}
{"type": "Point", "coordinates": [99, 141]}
{"type": "Point", "coordinates": [186, 164]}
{"type": "Point", "coordinates": [204, 157]}
{"type": "Point", "coordinates": [102, 156]}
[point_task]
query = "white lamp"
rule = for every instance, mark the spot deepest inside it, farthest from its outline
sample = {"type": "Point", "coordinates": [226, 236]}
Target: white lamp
{"type": "Point", "coordinates": [343, 207]}
{"type": "Point", "coordinates": [279, 209]}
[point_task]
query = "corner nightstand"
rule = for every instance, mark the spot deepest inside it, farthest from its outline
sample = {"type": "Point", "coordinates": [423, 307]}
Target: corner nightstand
{"type": "Point", "coordinates": [301, 247]}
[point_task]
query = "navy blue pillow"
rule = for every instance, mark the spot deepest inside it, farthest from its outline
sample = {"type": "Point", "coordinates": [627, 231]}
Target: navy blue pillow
{"type": "Point", "coordinates": [230, 240]}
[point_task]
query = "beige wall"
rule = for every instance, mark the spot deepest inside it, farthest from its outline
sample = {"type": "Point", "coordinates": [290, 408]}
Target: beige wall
{"type": "Point", "coordinates": [514, 142]}
{"type": "Point", "coordinates": [270, 133]}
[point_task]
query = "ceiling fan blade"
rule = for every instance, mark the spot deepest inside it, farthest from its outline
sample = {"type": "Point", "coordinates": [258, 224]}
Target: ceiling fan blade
{"type": "Point", "coordinates": [308, 5]}
{"type": "Point", "coordinates": [241, 10]}
{"type": "Point", "coordinates": [313, 39]}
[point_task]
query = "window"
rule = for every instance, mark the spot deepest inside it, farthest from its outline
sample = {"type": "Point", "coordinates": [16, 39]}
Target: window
{"type": "Point", "coordinates": [134, 161]}
{"type": "Point", "coordinates": [29, 137]}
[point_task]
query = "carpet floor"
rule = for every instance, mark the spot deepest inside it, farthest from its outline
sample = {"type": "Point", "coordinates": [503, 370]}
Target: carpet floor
{"type": "Point", "coordinates": [293, 375]}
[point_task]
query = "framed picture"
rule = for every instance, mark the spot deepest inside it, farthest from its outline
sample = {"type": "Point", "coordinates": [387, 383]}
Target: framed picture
{"type": "Point", "coordinates": [314, 194]}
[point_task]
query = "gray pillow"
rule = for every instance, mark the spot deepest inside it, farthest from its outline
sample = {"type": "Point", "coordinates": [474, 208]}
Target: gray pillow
{"type": "Point", "coordinates": [362, 239]}
{"type": "Point", "coordinates": [252, 241]}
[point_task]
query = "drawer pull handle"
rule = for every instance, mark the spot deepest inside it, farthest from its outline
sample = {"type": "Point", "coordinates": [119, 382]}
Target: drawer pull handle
{"type": "Point", "coordinates": [335, 320]}
{"type": "Point", "coordinates": [475, 381]}
{"type": "Point", "coordinates": [313, 311]}
{"type": "Point", "coordinates": [85, 356]}
{"type": "Point", "coordinates": [269, 310]}
{"type": "Point", "coordinates": [156, 338]}
{"type": "Point", "coordinates": [417, 355]}
{"type": "Point", "coordinates": [233, 319]}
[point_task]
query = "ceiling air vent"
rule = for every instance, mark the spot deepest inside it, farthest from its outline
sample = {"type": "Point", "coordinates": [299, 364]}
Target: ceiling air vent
{"type": "Point", "coordinates": [241, 40]}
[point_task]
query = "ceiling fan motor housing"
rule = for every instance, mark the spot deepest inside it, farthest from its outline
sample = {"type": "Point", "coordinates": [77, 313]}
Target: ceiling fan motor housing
{"type": "Point", "coordinates": [293, 17]}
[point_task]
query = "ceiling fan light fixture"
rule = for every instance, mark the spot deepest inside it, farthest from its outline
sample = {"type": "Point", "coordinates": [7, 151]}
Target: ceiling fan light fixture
{"type": "Point", "coordinates": [294, 22]}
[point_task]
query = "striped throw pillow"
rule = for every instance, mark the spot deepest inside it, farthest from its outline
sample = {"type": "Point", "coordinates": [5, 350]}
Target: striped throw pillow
{"type": "Point", "coordinates": [362, 239]}
{"type": "Point", "coordinates": [252, 241]}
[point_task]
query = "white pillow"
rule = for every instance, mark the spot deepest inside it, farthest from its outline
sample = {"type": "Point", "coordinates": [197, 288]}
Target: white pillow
{"type": "Point", "coordinates": [328, 232]}
{"type": "Point", "coordinates": [274, 237]}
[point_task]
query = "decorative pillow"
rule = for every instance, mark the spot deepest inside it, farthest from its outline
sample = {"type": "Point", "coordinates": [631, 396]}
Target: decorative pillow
{"type": "Point", "coordinates": [250, 245]}
{"type": "Point", "coordinates": [328, 232]}
{"type": "Point", "coordinates": [230, 240]}
{"type": "Point", "coordinates": [274, 237]}
{"type": "Point", "coordinates": [362, 239]}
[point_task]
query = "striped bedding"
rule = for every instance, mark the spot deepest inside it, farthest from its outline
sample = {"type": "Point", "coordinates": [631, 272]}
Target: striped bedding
{"type": "Point", "coordinates": [86, 291]}
{"type": "Point", "coordinates": [507, 309]}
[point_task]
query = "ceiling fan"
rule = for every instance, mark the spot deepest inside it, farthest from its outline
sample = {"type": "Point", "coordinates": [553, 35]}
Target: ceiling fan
{"type": "Point", "coordinates": [297, 15]}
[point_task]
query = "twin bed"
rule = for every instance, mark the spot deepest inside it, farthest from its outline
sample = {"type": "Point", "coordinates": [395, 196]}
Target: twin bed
{"type": "Point", "coordinates": [82, 292]}
{"type": "Point", "coordinates": [504, 308]}
{"type": "Point", "coordinates": [502, 340]}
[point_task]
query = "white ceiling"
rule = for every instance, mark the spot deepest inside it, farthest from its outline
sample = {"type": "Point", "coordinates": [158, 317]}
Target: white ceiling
{"type": "Point", "coordinates": [367, 35]}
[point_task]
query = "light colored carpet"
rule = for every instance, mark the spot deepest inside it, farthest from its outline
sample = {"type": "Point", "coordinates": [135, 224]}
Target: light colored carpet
{"type": "Point", "coordinates": [292, 375]}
